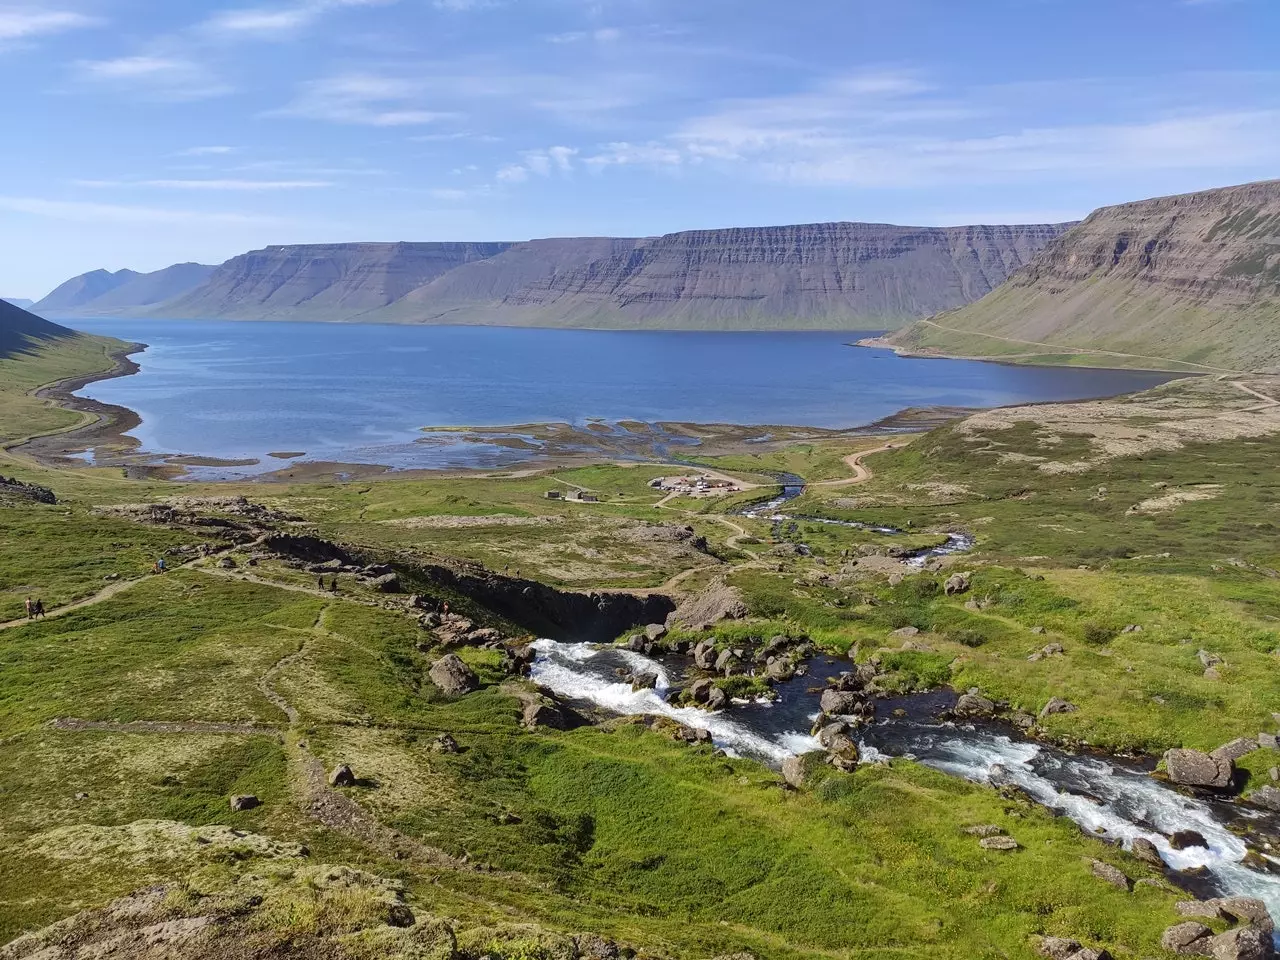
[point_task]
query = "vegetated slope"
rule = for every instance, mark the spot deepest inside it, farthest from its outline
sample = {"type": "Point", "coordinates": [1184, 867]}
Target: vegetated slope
{"type": "Point", "coordinates": [338, 281]}
{"type": "Point", "coordinates": [817, 276]}
{"type": "Point", "coordinates": [21, 331]}
{"type": "Point", "coordinates": [1192, 278]}
{"type": "Point", "coordinates": [101, 293]}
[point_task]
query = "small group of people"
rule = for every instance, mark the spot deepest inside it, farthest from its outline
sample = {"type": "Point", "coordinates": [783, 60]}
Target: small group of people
{"type": "Point", "coordinates": [333, 584]}
{"type": "Point", "coordinates": [159, 566]}
{"type": "Point", "coordinates": [35, 609]}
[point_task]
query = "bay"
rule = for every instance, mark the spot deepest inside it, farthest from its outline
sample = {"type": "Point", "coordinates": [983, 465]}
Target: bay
{"type": "Point", "coordinates": [361, 393]}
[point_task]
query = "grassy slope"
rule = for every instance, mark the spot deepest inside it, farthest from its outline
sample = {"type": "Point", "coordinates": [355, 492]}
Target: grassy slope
{"type": "Point", "coordinates": [625, 832]}
{"type": "Point", "coordinates": [35, 363]}
{"type": "Point", "coordinates": [1106, 323]}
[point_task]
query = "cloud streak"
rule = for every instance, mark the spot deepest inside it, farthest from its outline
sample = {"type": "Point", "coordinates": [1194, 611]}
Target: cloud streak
{"type": "Point", "coordinates": [25, 23]}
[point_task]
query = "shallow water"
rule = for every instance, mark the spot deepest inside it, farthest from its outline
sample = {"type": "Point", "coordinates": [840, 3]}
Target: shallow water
{"type": "Point", "coordinates": [360, 393]}
{"type": "Point", "coordinates": [1108, 798]}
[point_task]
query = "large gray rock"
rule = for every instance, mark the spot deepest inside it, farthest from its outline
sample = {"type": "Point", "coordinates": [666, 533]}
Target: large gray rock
{"type": "Point", "coordinates": [1057, 705]}
{"type": "Point", "coordinates": [1147, 852]}
{"type": "Point", "coordinates": [1240, 747]}
{"type": "Point", "coordinates": [1248, 910]}
{"type": "Point", "coordinates": [1111, 874]}
{"type": "Point", "coordinates": [1267, 797]}
{"type": "Point", "coordinates": [793, 771]}
{"type": "Point", "coordinates": [1193, 768]}
{"type": "Point", "coordinates": [842, 753]}
{"type": "Point", "coordinates": [655, 632]}
{"type": "Point", "coordinates": [837, 703]}
{"type": "Point", "coordinates": [1243, 943]}
{"type": "Point", "coordinates": [453, 676]}
{"type": "Point", "coordinates": [342, 776]}
{"type": "Point", "coordinates": [537, 714]}
{"type": "Point", "coordinates": [973, 705]}
{"type": "Point", "coordinates": [1189, 939]}
{"type": "Point", "coordinates": [957, 583]}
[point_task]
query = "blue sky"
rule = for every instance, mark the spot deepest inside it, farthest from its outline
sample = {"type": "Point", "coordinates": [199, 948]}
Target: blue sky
{"type": "Point", "coordinates": [140, 133]}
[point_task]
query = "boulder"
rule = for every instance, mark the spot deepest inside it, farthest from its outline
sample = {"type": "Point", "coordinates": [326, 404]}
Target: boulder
{"type": "Point", "coordinates": [644, 681]}
{"type": "Point", "coordinates": [246, 801]}
{"type": "Point", "coordinates": [1208, 659]}
{"type": "Point", "coordinates": [1199, 909]}
{"type": "Point", "coordinates": [1248, 910]}
{"type": "Point", "coordinates": [1192, 768]}
{"type": "Point", "coordinates": [973, 705]}
{"type": "Point", "coordinates": [984, 830]}
{"type": "Point", "coordinates": [717, 699]}
{"type": "Point", "coordinates": [342, 776]}
{"type": "Point", "coordinates": [537, 714]}
{"type": "Point", "coordinates": [728, 663]}
{"type": "Point", "coordinates": [842, 753]}
{"type": "Point", "coordinates": [837, 703]}
{"type": "Point", "coordinates": [592, 946]}
{"type": "Point", "coordinates": [453, 676]}
{"type": "Point", "coordinates": [779, 670]}
{"type": "Point", "coordinates": [1187, 939]}
{"type": "Point", "coordinates": [655, 632]}
{"type": "Point", "coordinates": [1111, 874]}
{"type": "Point", "coordinates": [957, 583]}
{"type": "Point", "coordinates": [1185, 839]}
{"type": "Point", "coordinates": [445, 743]}
{"type": "Point", "coordinates": [704, 655]}
{"type": "Point", "coordinates": [386, 583]}
{"type": "Point", "coordinates": [1267, 797]}
{"type": "Point", "coordinates": [793, 771]}
{"type": "Point", "coordinates": [828, 733]}
{"type": "Point", "coordinates": [700, 690]}
{"type": "Point", "coordinates": [1146, 851]}
{"type": "Point", "coordinates": [1243, 943]}
{"type": "Point", "coordinates": [1058, 948]}
{"type": "Point", "coordinates": [1057, 705]}
{"type": "Point", "coordinates": [906, 632]}
{"type": "Point", "coordinates": [1000, 843]}
{"type": "Point", "coordinates": [1233, 751]}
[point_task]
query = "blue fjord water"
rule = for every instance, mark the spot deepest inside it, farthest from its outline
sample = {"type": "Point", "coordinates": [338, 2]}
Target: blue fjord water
{"type": "Point", "coordinates": [361, 393]}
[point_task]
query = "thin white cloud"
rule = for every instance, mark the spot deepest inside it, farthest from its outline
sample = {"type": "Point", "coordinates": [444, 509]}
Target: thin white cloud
{"type": "Point", "coordinates": [276, 22]}
{"type": "Point", "coordinates": [210, 151]}
{"type": "Point", "coordinates": [364, 98]}
{"type": "Point", "coordinates": [625, 154]}
{"type": "Point", "coordinates": [22, 23]}
{"type": "Point", "coordinates": [153, 77]}
{"type": "Point", "coordinates": [80, 212]}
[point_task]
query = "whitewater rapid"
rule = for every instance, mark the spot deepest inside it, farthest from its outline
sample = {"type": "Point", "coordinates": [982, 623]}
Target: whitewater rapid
{"type": "Point", "coordinates": [1106, 798]}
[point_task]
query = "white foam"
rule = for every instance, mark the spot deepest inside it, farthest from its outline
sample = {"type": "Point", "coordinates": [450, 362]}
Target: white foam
{"type": "Point", "coordinates": [557, 669]}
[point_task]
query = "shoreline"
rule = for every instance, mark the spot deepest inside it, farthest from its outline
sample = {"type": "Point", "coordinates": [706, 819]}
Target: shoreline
{"type": "Point", "coordinates": [107, 423]}
{"type": "Point", "coordinates": [929, 353]}
{"type": "Point", "coordinates": [105, 433]}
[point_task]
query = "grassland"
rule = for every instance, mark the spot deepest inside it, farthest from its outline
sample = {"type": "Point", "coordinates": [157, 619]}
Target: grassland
{"type": "Point", "coordinates": [128, 722]}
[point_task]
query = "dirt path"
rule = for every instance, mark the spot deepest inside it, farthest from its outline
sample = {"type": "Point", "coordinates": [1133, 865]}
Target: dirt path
{"type": "Point", "coordinates": [861, 472]}
{"type": "Point", "coordinates": [1267, 402]}
{"type": "Point", "coordinates": [162, 726]}
{"type": "Point", "coordinates": [1083, 351]}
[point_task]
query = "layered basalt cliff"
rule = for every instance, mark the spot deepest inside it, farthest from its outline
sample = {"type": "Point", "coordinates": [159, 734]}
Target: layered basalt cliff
{"type": "Point", "coordinates": [831, 275]}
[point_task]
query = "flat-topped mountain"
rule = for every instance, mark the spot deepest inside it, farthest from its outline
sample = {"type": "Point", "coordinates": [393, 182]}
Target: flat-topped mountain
{"type": "Point", "coordinates": [1192, 278]}
{"type": "Point", "coordinates": [829, 275]}
{"type": "Point", "coordinates": [102, 293]}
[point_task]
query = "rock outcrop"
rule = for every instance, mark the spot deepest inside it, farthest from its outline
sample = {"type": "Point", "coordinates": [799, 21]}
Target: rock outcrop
{"type": "Point", "coordinates": [1189, 278]}
{"type": "Point", "coordinates": [1191, 768]}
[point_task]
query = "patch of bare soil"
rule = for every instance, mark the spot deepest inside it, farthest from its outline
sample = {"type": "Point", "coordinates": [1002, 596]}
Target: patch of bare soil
{"type": "Point", "coordinates": [1163, 419]}
{"type": "Point", "coordinates": [1171, 501]}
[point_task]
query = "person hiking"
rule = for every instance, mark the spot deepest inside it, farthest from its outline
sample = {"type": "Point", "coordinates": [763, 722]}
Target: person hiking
{"type": "Point", "coordinates": [319, 583]}
{"type": "Point", "coordinates": [39, 608]}
{"type": "Point", "coordinates": [333, 586]}
{"type": "Point", "coordinates": [31, 610]}
{"type": "Point", "coordinates": [160, 565]}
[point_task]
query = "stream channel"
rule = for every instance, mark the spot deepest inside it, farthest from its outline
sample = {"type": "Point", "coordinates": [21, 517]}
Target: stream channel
{"type": "Point", "coordinates": [1113, 799]}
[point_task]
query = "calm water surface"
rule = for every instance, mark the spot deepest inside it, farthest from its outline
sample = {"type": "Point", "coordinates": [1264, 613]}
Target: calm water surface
{"type": "Point", "coordinates": [362, 393]}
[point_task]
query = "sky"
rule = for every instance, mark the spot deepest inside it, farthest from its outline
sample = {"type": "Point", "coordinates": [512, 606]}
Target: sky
{"type": "Point", "coordinates": [140, 133]}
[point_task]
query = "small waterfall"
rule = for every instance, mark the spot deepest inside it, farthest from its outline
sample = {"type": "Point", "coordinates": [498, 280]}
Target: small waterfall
{"type": "Point", "coordinates": [1105, 797]}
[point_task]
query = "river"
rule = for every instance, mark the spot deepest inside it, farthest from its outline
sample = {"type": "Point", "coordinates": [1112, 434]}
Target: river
{"type": "Point", "coordinates": [1112, 799]}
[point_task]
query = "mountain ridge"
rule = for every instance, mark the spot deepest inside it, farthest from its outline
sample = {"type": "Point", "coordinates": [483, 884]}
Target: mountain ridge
{"type": "Point", "coordinates": [103, 293]}
{"type": "Point", "coordinates": [826, 275]}
{"type": "Point", "coordinates": [1191, 279]}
